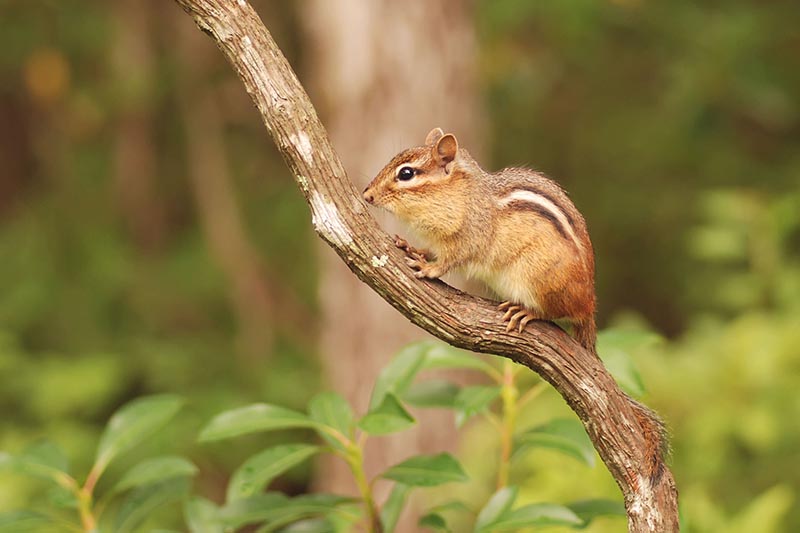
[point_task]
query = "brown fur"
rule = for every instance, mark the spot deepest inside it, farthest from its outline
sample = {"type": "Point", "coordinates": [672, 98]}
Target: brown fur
{"type": "Point", "coordinates": [520, 250]}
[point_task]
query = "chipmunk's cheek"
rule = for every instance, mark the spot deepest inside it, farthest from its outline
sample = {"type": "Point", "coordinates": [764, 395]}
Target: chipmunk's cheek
{"type": "Point", "coordinates": [383, 201]}
{"type": "Point", "coordinates": [385, 205]}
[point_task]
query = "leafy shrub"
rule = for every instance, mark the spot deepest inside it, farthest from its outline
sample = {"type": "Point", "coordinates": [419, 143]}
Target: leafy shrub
{"type": "Point", "coordinates": [128, 504]}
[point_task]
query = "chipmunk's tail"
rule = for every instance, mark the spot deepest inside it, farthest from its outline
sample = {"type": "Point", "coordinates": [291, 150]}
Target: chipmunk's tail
{"type": "Point", "coordinates": [655, 435]}
{"type": "Point", "coordinates": [653, 428]}
{"type": "Point", "coordinates": [586, 333]}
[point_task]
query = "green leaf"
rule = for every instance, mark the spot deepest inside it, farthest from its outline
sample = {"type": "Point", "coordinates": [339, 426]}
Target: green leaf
{"type": "Point", "coordinates": [257, 508]}
{"type": "Point", "coordinates": [259, 470]}
{"type": "Point", "coordinates": [346, 517]}
{"type": "Point", "coordinates": [473, 400]}
{"type": "Point", "coordinates": [621, 367]}
{"type": "Point", "coordinates": [133, 423]}
{"type": "Point", "coordinates": [588, 510]}
{"type": "Point", "coordinates": [427, 470]}
{"type": "Point", "coordinates": [202, 516]}
{"type": "Point", "coordinates": [46, 454]}
{"type": "Point", "coordinates": [451, 506]}
{"type": "Point", "coordinates": [42, 459]}
{"type": "Point", "coordinates": [498, 506]}
{"type": "Point", "coordinates": [311, 525]}
{"type": "Point", "coordinates": [564, 434]}
{"type": "Point", "coordinates": [27, 522]}
{"type": "Point", "coordinates": [616, 348]}
{"type": "Point", "coordinates": [394, 506]}
{"type": "Point", "coordinates": [253, 418]}
{"type": "Point", "coordinates": [627, 340]}
{"type": "Point", "coordinates": [330, 409]}
{"type": "Point", "coordinates": [398, 375]}
{"type": "Point", "coordinates": [535, 515]}
{"type": "Point", "coordinates": [277, 510]}
{"type": "Point", "coordinates": [62, 497]}
{"type": "Point", "coordinates": [440, 355]}
{"type": "Point", "coordinates": [142, 501]}
{"type": "Point", "coordinates": [432, 393]}
{"type": "Point", "coordinates": [434, 521]}
{"type": "Point", "coordinates": [155, 470]}
{"type": "Point", "coordinates": [389, 417]}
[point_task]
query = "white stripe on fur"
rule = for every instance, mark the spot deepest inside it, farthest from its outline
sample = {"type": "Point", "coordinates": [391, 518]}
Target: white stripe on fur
{"type": "Point", "coordinates": [547, 204]}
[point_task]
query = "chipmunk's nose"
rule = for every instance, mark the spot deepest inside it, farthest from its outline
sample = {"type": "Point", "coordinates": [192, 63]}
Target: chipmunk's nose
{"type": "Point", "coordinates": [369, 196]}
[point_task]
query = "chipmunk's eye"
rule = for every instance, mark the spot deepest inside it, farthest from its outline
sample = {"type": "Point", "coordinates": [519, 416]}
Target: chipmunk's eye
{"type": "Point", "coordinates": [406, 173]}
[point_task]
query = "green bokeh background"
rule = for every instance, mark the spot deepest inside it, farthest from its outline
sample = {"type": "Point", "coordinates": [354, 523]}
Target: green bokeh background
{"type": "Point", "coordinates": [674, 125]}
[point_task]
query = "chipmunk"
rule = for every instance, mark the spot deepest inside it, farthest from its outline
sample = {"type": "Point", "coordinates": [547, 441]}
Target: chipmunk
{"type": "Point", "coordinates": [515, 229]}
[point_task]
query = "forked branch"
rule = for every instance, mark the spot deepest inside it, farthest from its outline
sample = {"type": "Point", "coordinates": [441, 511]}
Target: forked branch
{"type": "Point", "coordinates": [341, 218]}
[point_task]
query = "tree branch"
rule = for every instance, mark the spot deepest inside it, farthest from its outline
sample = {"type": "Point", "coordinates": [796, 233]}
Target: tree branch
{"type": "Point", "coordinates": [341, 218]}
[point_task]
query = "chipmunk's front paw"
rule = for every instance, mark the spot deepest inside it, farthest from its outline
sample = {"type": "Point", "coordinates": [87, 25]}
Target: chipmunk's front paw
{"type": "Point", "coordinates": [419, 260]}
{"type": "Point", "coordinates": [424, 269]}
{"type": "Point", "coordinates": [413, 253]}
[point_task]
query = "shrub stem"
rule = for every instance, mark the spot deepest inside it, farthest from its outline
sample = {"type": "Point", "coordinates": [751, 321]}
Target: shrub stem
{"type": "Point", "coordinates": [355, 458]}
{"type": "Point", "coordinates": [508, 394]}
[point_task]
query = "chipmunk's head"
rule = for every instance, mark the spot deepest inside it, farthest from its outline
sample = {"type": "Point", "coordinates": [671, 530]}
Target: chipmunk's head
{"type": "Point", "coordinates": [417, 179]}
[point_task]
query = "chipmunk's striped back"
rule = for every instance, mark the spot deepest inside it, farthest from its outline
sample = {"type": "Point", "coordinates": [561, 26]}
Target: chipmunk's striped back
{"type": "Point", "coordinates": [544, 207]}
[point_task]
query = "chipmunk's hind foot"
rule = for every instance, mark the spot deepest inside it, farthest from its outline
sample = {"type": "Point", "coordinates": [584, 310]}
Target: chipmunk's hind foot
{"type": "Point", "coordinates": [517, 316]}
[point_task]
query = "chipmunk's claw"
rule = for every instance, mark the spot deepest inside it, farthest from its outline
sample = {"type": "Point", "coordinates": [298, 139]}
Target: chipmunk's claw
{"type": "Point", "coordinates": [511, 311]}
{"type": "Point", "coordinates": [414, 263]}
{"type": "Point", "coordinates": [418, 260]}
{"type": "Point", "coordinates": [401, 242]}
{"type": "Point", "coordinates": [524, 322]}
{"type": "Point", "coordinates": [505, 305]}
{"type": "Point", "coordinates": [414, 253]}
{"type": "Point", "coordinates": [517, 316]}
{"type": "Point", "coordinates": [425, 270]}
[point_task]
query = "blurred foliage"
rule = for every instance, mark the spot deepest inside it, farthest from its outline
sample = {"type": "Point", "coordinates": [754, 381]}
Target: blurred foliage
{"type": "Point", "coordinates": [637, 108]}
{"type": "Point", "coordinates": [154, 482]}
{"type": "Point", "coordinates": [675, 127]}
{"type": "Point", "coordinates": [91, 316]}
{"type": "Point", "coordinates": [733, 376]}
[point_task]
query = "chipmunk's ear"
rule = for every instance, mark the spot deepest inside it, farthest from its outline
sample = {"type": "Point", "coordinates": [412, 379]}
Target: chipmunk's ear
{"type": "Point", "coordinates": [445, 150]}
{"type": "Point", "coordinates": [433, 136]}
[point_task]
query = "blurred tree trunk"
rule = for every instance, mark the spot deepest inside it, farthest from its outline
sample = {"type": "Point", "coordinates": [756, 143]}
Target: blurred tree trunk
{"type": "Point", "coordinates": [217, 207]}
{"type": "Point", "coordinates": [384, 73]}
{"type": "Point", "coordinates": [135, 159]}
{"type": "Point", "coordinates": [15, 152]}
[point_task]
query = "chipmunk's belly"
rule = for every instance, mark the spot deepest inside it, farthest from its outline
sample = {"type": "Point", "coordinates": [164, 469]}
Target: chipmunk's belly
{"type": "Point", "coordinates": [507, 284]}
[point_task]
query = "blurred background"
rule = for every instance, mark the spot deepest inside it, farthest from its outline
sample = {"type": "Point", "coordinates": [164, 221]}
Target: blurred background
{"type": "Point", "coordinates": [152, 240]}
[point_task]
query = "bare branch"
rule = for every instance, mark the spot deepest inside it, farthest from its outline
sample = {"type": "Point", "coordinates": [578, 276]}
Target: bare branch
{"type": "Point", "coordinates": [342, 220]}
